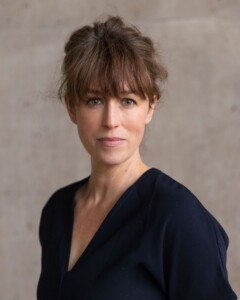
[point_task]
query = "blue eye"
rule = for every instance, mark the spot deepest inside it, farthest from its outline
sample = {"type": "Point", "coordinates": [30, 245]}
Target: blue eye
{"type": "Point", "coordinates": [94, 101]}
{"type": "Point", "coordinates": [128, 102]}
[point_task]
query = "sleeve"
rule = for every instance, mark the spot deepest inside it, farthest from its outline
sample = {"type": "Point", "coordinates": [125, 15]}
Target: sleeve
{"type": "Point", "coordinates": [45, 221]}
{"type": "Point", "coordinates": [49, 275]}
{"type": "Point", "coordinates": [195, 255]}
{"type": "Point", "coordinates": [42, 227]}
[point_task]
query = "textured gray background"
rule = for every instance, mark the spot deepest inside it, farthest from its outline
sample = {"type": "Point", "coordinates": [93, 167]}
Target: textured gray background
{"type": "Point", "coordinates": [195, 136]}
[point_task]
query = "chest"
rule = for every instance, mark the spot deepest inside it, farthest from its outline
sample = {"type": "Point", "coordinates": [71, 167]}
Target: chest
{"type": "Point", "coordinates": [109, 248]}
{"type": "Point", "coordinates": [86, 223]}
{"type": "Point", "coordinates": [116, 266]}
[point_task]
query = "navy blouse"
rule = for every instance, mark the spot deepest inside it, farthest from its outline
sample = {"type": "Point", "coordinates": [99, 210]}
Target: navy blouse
{"type": "Point", "coordinates": [157, 243]}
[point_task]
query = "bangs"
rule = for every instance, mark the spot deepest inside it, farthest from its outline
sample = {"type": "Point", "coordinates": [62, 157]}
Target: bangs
{"type": "Point", "coordinates": [111, 67]}
{"type": "Point", "coordinates": [112, 58]}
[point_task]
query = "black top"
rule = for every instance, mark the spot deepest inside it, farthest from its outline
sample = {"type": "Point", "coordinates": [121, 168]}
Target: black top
{"type": "Point", "coordinates": [157, 243]}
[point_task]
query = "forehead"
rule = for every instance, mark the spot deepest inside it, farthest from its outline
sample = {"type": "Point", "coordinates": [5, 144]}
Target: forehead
{"type": "Point", "coordinates": [127, 93]}
{"type": "Point", "coordinates": [113, 78]}
{"type": "Point", "coordinates": [123, 89]}
{"type": "Point", "coordinates": [100, 92]}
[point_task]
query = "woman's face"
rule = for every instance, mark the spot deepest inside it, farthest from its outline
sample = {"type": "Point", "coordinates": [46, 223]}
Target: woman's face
{"type": "Point", "coordinates": [111, 129]}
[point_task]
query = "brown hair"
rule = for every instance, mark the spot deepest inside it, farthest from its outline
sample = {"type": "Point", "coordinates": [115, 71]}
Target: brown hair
{"type": "Point", "coordinates": [107, 55]}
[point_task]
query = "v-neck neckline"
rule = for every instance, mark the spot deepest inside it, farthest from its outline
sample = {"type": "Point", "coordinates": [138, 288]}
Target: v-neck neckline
{"type": "Point", "coordinates": [103, 224]}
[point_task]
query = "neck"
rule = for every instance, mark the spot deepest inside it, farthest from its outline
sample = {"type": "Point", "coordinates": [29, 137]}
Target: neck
{"type": "Point", "coordinates": [107, 183]}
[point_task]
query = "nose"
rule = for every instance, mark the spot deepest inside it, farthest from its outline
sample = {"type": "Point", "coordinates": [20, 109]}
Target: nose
{"type": "Point", "coordinates": [111, 114]}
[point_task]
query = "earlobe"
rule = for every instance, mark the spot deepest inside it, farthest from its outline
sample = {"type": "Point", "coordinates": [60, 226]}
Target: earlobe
{"type": "Point", "coordinates": [72, 112]}
{"type": "Point", "coordinates": [72, 115]}
{"type": "Point", "coordinates": [149, 115]}
{"type": "Point", "coordinates": [151, 110]}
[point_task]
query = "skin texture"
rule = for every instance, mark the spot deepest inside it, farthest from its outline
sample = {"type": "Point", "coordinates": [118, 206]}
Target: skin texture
{"type": "Point", "coordinates": [111, 130]}
{"type": "Point", "coordinates": [99, 118]}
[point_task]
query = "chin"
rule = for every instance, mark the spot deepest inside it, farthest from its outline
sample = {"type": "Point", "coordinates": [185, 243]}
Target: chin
{"type": "Point", "coordinates": [112, 160]}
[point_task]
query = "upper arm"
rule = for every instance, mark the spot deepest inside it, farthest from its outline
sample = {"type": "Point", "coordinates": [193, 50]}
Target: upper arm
{"type": "Point", "coordinates": [195, 255]}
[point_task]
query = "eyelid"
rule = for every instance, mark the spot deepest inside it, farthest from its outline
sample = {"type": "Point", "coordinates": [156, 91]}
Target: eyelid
{"type": "Point", "coordinates": [133, 101]}
{"type": "Point", "coordinates": [91, 99]}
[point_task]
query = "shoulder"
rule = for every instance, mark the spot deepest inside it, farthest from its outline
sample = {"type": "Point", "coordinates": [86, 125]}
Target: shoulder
{"type": "Point", "coordinates": [192, 243]}
{"type": "Point", "coordinates": [175, 207]}
{"type": "Point", "coordinates": [166, 193]}
{"type": "Point", "coordinates": [62, 196]}
{"type": "Point", "coordinates": [57, 207]}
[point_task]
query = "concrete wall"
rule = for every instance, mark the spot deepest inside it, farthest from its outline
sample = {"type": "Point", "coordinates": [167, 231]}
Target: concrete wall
{"type": "Point", "coordinates": [195, 136]}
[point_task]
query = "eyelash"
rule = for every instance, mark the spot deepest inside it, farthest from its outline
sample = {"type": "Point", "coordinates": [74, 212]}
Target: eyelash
{"type": "Point", "coordinates": [95, 101]}
{"type": "Point", "coordinates": [126, 101]}
{"type": "Point", "coordinates": [92, 101]}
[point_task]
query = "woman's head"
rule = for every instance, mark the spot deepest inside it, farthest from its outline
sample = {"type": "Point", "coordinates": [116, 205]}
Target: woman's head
{"type": "Point", "coordinates": [109, 56]}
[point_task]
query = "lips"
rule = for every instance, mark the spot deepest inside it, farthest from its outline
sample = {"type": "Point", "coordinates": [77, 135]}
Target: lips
{"type": "Point", "coordinates": [111, 141]}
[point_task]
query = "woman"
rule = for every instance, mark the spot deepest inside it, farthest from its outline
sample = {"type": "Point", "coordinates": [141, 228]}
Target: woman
{"type": "Point", "coordinates": [127, 231]}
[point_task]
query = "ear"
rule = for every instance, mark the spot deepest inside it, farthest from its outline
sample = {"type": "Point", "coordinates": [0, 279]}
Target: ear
{"type": "Point", "coordinates": [71, 111]}
{"type": "Point", "coordinates": [151, 109]}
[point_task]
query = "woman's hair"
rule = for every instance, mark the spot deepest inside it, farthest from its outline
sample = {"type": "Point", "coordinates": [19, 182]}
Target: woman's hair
{"type": "Point", "coordinates": [109, 56]}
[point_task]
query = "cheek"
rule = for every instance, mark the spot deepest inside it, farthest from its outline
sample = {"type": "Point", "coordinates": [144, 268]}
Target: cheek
{"type": "Point", "coordinates": [86, 122]}
{"type": "Point", "coordinates": [136, 125]}
{"type": "Point", "coordinates": [86, 127]}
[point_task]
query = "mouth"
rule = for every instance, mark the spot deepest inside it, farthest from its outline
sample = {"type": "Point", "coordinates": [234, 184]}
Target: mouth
{"type": "Point", "coordinates": [111, 141]}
